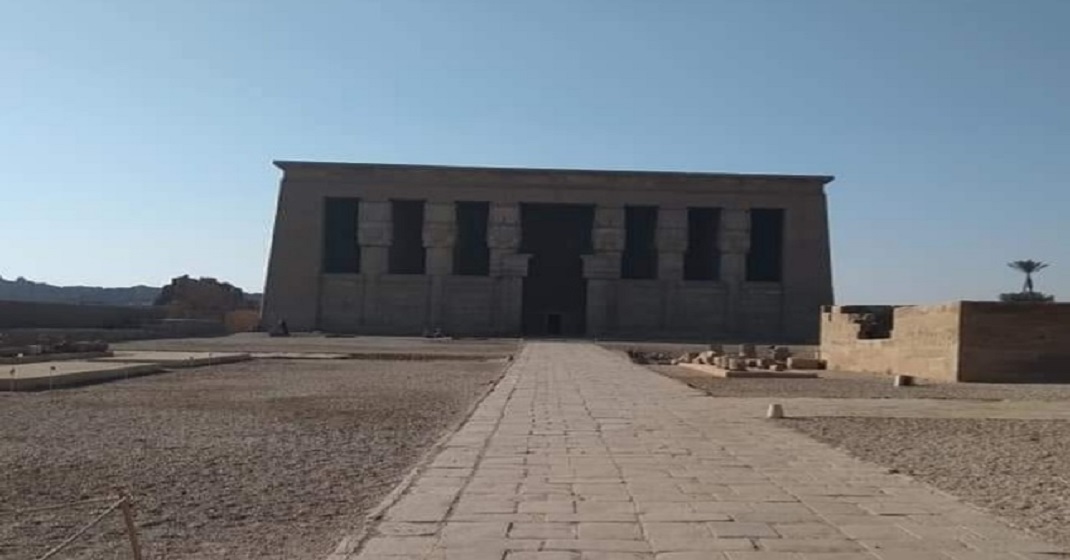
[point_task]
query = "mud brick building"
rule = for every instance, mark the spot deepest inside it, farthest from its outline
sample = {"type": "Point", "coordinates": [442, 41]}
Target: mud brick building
{"type": "Point", "coordinates": [399, 249]}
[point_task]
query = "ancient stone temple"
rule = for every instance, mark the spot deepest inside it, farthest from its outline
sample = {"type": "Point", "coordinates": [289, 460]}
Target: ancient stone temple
{"type": "Point", "coordinates": [407, 249]}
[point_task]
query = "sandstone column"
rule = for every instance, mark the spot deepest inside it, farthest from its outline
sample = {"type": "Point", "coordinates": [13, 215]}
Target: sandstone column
{"type": "Point", "coordinates": [439, 236]}
{"type": "Point", "coordinates": [734, 242]}
{"type": "Point", "coordinates": [602, 269]}
{"type": "Point", "coordinates": [672, 242]}
{"type": "Point", "coordinates": [507, 267]}
{"type": "Point", "coordinates": [374, 233]}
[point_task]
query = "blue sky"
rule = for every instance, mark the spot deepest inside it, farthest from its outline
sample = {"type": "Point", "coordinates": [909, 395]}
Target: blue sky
{"type": "Point", "coordinates": [137, 136]}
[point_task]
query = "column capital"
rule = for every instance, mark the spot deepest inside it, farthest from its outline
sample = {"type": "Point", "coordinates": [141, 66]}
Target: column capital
{"type": "Point", "coordinates": [503, 237]}
{"type": "Point", "coordinates": [374, 224]}
{"type": "Point", "coordinates": [735, 219]}
{"type": "Point", "coordinates": [504, 213]}
{"type": "Point", "coordinates": [440, 225]}
{"type": "Point", "coordinates": [734, 237]}
{"type": "Point", "coordinates": [609, 216]}
{"type": "Point", "coordinates": [671, 239]}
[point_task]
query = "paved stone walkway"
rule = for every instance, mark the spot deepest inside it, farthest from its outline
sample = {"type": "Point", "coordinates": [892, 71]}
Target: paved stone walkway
{"type": "Point", "coordinates": [580, 455]}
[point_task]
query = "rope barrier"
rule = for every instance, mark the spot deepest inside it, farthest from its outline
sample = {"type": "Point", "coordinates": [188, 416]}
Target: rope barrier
{"type": "Point", "coordinates": [82, 531]}
{"type": "Point", "coordinates": [123, 502]}
{"type": "Point", "coordinates": [57, 506]}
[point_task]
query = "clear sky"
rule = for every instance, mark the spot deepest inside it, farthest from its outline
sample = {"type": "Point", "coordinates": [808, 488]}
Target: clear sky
{"type": "Point", "coordinates": [136, 138]}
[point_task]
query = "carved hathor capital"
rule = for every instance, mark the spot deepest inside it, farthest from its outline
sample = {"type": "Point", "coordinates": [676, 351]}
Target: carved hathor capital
{"type": "Point", "coordinates": [671, 235]}
{"type": "Point", "coordinates": [735, 219]}
{"type": "Point", "coordinates": [503, 237]}
{"type": "Point", "coordinates": [608, 239]}
{"type": "Point", "coordinates": [440, 229]}
{"type": "Point", "coordinates": [730, 242]}
{"type": "Point", "coordinates": [609, 216]}
{"type": "Point", "coordinates": [734, 236]}
{"type": "Point", "coordinates": [504, 213]}
{"type": "Point", "coordinates": [375, 210]}
{"type": "Point", "coordinates": [374, 228]}
{"type": "Point", "coordinates": [374, 234]}
{"type": "Point", "coordinates": [439, 234]}
{"type": "Point", "coordinates": [672, 240]}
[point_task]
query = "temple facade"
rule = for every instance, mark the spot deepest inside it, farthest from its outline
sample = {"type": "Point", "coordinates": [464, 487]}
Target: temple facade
{"type": "Point", "coordinates": [469, 251]}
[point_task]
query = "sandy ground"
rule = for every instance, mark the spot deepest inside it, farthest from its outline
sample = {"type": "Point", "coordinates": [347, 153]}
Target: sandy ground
{"type": "Point", "coordinates": [862, 386]}
{"type": "Point", "coordinates": [260, 342]}
{"type": "Point", "coordinates": [266, 459]}
{"type": "Point", "coordinates": [1018, 469]}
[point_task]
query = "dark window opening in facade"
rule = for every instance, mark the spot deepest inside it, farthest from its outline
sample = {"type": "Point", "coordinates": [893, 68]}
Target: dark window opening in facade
{"type": "Point", "coordinates": [471, 256]}
{"type": "Point", "coordinates": [702, 260]}
{"type": "Point", "coordinates": [640, 258]}
{"type": "Point", "coordinates": [407, 249]}
{"type": "Point", "coordinates": [766, 255]}
{"type": "Point", "coordinates": [341, 250]}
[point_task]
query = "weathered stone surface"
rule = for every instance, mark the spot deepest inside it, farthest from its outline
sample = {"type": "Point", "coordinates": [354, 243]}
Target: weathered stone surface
{"type": "Point", "coordinates": [375, 301]}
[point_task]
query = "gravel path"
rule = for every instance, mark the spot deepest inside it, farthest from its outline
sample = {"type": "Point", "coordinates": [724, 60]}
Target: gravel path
{"type": "Point", "coordinates": [1019, 469]}
{"type": "Point", "coordinates": [862, 386]}
{"type": "Point", "coordinates": [265, 459]}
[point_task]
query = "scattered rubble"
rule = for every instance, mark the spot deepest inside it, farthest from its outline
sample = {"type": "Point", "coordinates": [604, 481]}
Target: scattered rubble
{"type": "Point", "coordinates": [747, 357]}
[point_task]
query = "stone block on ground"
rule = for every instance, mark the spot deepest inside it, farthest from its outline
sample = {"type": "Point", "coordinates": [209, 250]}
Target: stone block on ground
{"type": "Point", "coordinates": [707, 357]}
{"type": "Point", "coordinates": [737, 364]}
{"type": "Point", "coordinates": [805, 363]}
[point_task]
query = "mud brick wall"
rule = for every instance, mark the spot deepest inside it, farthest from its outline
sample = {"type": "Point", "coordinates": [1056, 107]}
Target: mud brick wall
{"type": "Point", "coordinates": [39, 315]}
{"type": "Point", "coordinates": [1015, 342]}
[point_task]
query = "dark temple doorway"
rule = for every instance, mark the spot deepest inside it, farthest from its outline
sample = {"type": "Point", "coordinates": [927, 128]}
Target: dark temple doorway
{"type": "Point", "coordinates": [555, 292]}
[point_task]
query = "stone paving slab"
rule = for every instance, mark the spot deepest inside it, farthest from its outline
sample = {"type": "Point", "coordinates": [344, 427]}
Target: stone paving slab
{"type": "Point", "coordinates": [579, 454]}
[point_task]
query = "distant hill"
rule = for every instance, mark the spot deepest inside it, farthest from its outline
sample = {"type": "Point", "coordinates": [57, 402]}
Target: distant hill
{"type": "Point", "coordinates": [22, 289]}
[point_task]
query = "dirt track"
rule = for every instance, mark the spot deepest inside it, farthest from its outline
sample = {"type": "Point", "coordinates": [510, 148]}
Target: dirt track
{"type": "Point", "coordinates": [838, 385]}
{"type": "Point", "coordinates": [265, 459]}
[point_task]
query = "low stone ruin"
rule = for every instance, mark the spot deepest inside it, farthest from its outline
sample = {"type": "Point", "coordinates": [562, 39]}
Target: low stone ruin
{"type": "Point", "coordinates": [48, 348]}
{"type": "Point", "coordinates": [651, 358]}
{"type": "Point", "coordinates": [749, 357]}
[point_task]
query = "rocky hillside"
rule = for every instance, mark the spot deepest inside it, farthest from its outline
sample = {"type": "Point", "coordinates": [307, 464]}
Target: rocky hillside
{"type": "Point", "coordinates": [22, 289]}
